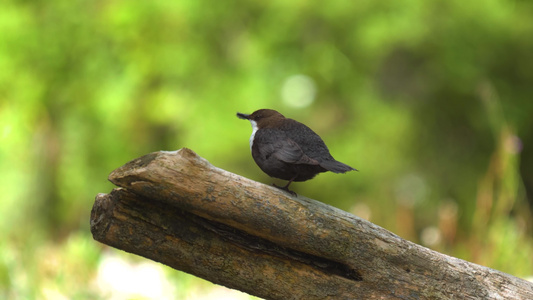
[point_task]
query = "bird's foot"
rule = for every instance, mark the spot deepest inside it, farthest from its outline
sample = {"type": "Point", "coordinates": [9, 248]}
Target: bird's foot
{"type": "Point", "coordinates": [286, 189]}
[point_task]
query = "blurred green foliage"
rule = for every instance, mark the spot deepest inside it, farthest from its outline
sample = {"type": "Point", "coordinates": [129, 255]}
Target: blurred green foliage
{"type": "Point", "coordinates": [430, 100]}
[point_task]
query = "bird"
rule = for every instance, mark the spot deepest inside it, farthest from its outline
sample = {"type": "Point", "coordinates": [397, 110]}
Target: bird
{"type": "Point", "coordinates": [287, 149]}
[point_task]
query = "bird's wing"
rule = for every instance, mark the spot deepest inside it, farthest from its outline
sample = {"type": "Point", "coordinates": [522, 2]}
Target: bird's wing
{"type": "Point", "coordinates": [311, 143]}
{"type": "Point", "coordinates": [282, 148]}
{"type": "Point", "coordinates": [288, 151]}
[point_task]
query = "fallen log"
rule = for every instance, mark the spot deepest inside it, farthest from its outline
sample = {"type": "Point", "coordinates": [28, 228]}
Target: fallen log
{"type": "Point", "coordinates": [178, 209]}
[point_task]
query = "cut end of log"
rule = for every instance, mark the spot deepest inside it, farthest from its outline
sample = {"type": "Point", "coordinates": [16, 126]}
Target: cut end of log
{"type": "Point", "coordinates": [103, 206]}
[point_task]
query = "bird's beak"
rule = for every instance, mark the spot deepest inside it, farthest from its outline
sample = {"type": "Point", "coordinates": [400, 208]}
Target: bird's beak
{"type": "Point", "coordinates": [243, 116]}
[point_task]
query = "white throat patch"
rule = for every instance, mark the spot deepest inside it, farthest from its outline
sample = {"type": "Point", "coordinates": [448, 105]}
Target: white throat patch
{"type": "Point", "coordinates": [254, 130]}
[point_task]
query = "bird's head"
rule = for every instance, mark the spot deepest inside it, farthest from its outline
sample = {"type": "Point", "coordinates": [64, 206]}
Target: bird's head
{"type": "Point", "coordinates": [263, 118]}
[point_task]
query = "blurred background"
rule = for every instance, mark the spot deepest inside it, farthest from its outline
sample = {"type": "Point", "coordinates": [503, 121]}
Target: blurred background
{"type": "Point", "coordinates": [430, 100]}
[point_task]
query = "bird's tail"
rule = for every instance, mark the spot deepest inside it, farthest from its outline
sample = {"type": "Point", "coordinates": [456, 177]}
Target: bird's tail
{"type": "Point", "coordinates": [336, 166]}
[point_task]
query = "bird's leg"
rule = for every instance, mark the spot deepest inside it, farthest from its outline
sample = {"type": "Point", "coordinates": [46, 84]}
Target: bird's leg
{"type": "Point", "coordinates": [286, 187]}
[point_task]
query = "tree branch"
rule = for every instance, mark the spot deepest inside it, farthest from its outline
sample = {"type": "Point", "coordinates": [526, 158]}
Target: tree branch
{"type": "Point", "coordinates": [177, 209]}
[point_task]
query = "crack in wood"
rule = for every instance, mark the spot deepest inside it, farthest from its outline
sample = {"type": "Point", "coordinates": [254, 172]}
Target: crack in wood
{"type": "Point", "coordinates": [233, 235]}
{"type": "Point", "coordinates": [255, 243]}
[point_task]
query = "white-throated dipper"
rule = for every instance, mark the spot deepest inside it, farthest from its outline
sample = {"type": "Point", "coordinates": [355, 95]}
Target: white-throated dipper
{"type": "Point", "coordinates": [287, 149]}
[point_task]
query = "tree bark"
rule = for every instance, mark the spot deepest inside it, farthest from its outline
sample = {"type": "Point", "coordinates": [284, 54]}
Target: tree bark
{"type": "Point", "coordinates": [177, 209]}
